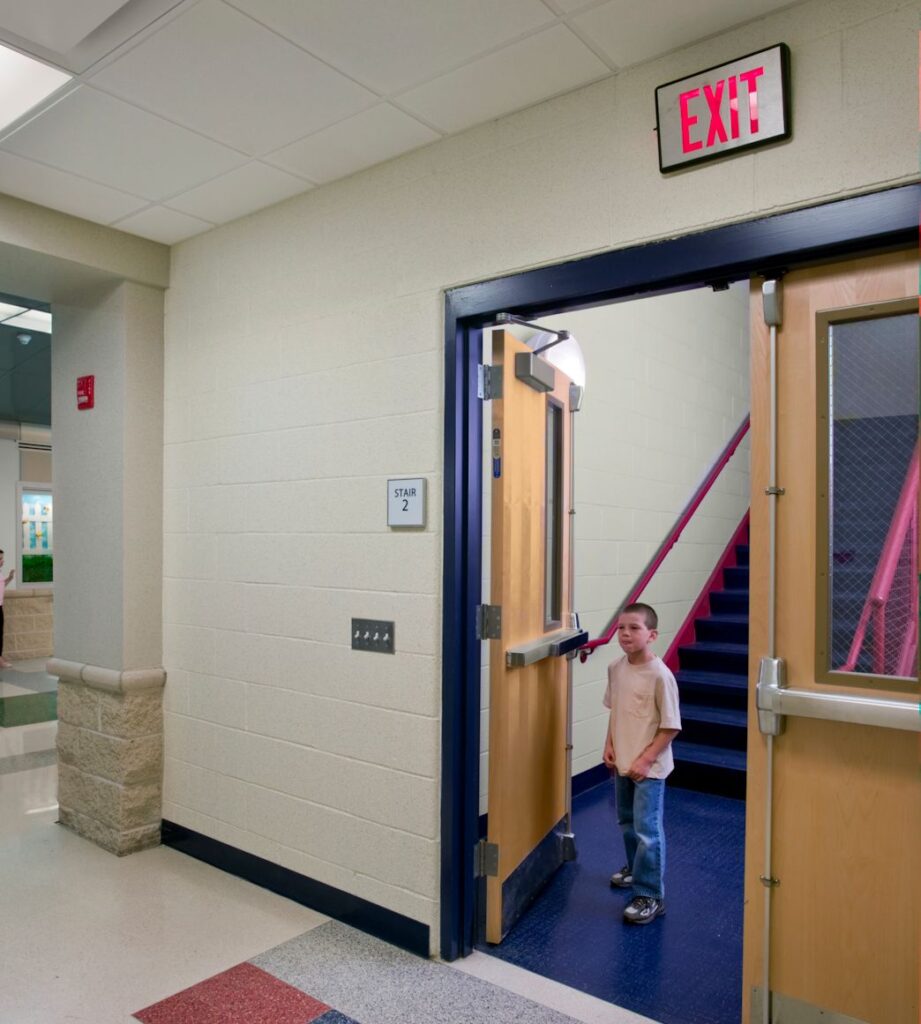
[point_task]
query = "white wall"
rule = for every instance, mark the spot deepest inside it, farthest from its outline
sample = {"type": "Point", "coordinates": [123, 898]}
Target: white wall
{"type": "Point", "coordinates": [304, 366]}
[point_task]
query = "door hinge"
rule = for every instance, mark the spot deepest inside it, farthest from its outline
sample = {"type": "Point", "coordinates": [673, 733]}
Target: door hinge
{"type": "Point", "coordinates": [488, 382]}
{"type": "Point", "coordinates": [488, 621]}
{"type": "Point", "coordinates": [485, 859]}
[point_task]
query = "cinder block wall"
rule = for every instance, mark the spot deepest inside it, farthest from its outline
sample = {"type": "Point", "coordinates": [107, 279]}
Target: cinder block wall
{"type": "Point", "coordinates": [304, 367]}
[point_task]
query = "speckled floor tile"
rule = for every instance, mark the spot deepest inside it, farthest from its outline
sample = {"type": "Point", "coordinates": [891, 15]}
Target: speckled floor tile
{"type": "Point", "coordinates": [24, 762]}
{"type": "Point", "coordinates": [243, 995]}
{"type": "Point", "coordinates": [376, 983]}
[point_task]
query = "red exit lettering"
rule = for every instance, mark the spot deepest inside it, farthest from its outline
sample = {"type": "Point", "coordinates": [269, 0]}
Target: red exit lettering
{"type": "Point", "coordinates": [713, 98]}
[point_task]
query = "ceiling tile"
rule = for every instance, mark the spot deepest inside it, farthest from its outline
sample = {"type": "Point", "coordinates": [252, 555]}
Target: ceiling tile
{"type": "Point", "coordinates": [218, 71]}
{"type": "Point", "coordinates": [628, 32]}
{"type": "Point", "coordinates": [239, 192]}
{"type": "Point", "coordinates": [114, 143]}
{"type": "Point", "coordinates": [162, 225]}
{"type": "Point", "coordinates": [545, 65]}
{"type": "Point", "coordinates": [56, 24]}
{"type": "Point", "coordinates": [365, 139]}
{"type": "Point", "coordinates": [59, 190]}
{"type": "Point", "coordinates": [392, 44]}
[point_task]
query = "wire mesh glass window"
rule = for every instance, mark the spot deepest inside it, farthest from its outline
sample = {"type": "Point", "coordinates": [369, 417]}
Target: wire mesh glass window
{"type": "Point", "coordinates": [868, 589]}
{"type": "Point", "coordinates": [553, 503]}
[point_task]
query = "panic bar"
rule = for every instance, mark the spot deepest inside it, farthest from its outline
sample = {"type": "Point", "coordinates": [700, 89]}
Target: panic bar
{"type": "Point", "coordinates": [551, 645]}
{"type": "Point", "coordinates": [884, 712]}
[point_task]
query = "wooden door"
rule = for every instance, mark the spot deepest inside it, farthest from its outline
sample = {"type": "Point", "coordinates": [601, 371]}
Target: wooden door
{"type": "Point", "coordinates": [530, 580]}
{"type": "Point", "coordinates": [846, 841]}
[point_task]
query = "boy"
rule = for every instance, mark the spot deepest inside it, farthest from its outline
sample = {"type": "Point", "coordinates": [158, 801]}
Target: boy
{"type": "Point", "coordinates": [643, 698]}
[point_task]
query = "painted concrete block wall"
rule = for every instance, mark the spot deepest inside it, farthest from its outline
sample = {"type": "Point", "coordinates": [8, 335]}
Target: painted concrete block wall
{"type": "Point", "coordinates": [303, 367]}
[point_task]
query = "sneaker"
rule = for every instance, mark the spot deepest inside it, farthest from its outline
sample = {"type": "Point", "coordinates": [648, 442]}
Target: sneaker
{"type": "Point", "coordinates": [622, 879]}
{"type": "Point", "coordinates": [643, 909]}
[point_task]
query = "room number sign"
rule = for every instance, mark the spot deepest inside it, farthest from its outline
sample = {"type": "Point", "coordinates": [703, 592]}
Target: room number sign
{"type": "Point", "coordinates": [406, 502]}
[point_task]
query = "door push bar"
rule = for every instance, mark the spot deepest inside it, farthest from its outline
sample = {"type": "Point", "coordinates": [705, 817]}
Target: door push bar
{"type": "Point", "coordinates": [551, 645]}
{"type": "Point", "coordinates": [775, 700]}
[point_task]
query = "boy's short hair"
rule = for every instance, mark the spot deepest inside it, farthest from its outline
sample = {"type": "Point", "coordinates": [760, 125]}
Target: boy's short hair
{"type": "Point", "coordinates": [646, 610]}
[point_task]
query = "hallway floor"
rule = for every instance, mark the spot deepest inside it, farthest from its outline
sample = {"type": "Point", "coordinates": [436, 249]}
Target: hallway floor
{"type": "Point", "coordinates": [684, 968]}
{"type": "Point", "coordinates": [165, 939]}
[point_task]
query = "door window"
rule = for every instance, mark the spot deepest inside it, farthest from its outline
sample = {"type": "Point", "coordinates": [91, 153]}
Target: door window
{"type": "Point", "coordinates": [868, 503]}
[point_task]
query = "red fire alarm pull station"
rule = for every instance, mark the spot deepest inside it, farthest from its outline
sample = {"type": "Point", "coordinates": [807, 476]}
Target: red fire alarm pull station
{"type": "Point", "coordinates": [86, 392]}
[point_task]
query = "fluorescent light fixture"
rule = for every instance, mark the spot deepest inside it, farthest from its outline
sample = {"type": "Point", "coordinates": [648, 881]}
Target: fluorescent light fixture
{"type": "Point", "coordinates": [6, 310]}
{"type": "Point", "coordinates": [32, 320]}
{"type": "Point", "coordinates": [24, 83]}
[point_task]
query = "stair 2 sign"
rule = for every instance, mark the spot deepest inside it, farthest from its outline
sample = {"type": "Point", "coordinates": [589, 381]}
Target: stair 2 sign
{"type": "Point", "coordinates": [725, 109]}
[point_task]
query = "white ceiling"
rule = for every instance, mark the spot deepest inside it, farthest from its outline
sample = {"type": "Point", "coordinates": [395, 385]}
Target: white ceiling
{"type": "Point", "coordinates": [184, 114]}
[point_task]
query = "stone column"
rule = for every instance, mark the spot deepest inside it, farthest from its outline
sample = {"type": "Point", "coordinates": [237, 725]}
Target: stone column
{"type": "Point", "coordinates": [110, 754]}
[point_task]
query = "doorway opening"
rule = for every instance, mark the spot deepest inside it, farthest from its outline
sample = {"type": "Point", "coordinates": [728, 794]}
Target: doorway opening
{"type": "Point", "coordinates": [665, 388]}
{"type": "Point", "coordinates": [723, 256]}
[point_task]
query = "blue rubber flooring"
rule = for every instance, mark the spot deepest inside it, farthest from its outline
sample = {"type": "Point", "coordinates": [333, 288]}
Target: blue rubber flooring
{"type": "Point", "coordinates": [685, 967]}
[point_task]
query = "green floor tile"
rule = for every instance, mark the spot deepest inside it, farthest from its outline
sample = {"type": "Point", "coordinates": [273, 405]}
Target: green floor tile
{"type": "Point", "coordinates": [28, 709]}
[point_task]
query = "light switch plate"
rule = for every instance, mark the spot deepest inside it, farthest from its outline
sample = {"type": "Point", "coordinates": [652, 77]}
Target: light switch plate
{"type": "Point", "coordinates": [372, 635]}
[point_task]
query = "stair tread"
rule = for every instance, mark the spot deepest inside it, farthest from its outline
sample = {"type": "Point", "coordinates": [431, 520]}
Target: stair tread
{"type": "Point", "coordinates": [698, 675]}
{"type": "Point", "coordinates": [715, 647]}
{"type": "Point", "coordinates": [715, 714]}
{"type": "Point", "coordinates": [724, 618]}
{"type": "Point", "coordinates": [703, 754]}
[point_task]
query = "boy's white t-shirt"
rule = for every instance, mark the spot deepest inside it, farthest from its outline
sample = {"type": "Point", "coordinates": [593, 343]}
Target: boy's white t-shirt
{"type": "Point", "coordinates": [643, 699]}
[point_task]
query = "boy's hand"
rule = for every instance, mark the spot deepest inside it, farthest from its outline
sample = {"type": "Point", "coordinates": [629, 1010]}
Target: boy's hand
{"type": "Point", "coordinates": [609, 759]}
{"type": "Point", "coordinates": [640, 768]}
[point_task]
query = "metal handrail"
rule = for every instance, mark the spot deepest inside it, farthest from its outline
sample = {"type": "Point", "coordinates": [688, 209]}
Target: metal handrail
{"type": "Point", "coordinates": [671, 538]}
{"type": "Point", "coordinates": [902, 529]}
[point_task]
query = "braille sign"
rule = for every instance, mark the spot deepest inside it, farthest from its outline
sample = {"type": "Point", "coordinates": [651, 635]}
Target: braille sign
{"type": "Point", "coordinates": [406, 502]}
{"type": "Point", "coordinates": [734, 106]}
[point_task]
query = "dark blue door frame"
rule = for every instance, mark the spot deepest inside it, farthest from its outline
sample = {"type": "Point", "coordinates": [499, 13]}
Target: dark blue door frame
{"type": "Point", "coordinates": [770, 245]}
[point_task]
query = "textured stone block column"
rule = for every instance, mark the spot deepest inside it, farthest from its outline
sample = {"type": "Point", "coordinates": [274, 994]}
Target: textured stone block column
{"type": "Point", "coordinates": [28, 621]}
{"type": "Point", "coordinates": [110, 754]}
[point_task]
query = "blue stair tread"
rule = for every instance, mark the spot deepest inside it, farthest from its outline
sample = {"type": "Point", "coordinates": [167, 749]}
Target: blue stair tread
{"type": "Point", "coordinates": [725, 618]}
{"type": "Point", "coordinates": [712, 647]}
{"type": "Point", "coordinates": [700, 753]}
{"type": "Point", "coordinates": [716, 715]}
{"type": "Point", "coordinates": [697, 675]}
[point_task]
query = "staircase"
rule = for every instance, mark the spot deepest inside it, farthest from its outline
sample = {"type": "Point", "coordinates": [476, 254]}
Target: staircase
{"type": "Point", "coordinates": [713, 684]}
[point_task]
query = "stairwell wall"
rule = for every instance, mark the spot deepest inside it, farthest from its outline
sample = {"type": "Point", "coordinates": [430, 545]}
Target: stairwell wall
{"type": "Point", "coordinates": [304, 367]}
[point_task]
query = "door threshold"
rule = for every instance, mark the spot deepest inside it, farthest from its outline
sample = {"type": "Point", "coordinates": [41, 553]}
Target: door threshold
{"type": "Point", "coordinates": [578, 1005]}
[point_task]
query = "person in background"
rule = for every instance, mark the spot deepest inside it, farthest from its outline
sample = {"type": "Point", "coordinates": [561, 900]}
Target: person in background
{"type": "Point", "coordinates": [642, 696]}
{"type": "Point", "coordinates": [4, 583]}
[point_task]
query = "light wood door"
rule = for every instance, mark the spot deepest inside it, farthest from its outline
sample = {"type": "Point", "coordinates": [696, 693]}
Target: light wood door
{"type": "Point", "coordinates": [846, 839]}
{"type": "Point", "coordinates": [528, 776]}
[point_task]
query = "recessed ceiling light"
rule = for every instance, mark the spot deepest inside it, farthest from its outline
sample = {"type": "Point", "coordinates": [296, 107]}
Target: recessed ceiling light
{"type": "Point", "coordinates": [32, 320]}
{"type": "Point", "coordinates": [24, 83]}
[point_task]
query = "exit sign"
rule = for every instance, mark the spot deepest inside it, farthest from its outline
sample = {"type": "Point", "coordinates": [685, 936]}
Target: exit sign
{"type": "Point", "coordinates": [725, 109]}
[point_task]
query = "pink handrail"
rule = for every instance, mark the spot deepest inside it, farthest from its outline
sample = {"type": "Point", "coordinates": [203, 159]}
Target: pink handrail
{"type": "Point", "coordinates": [671, 539]}
{"type": "Point", "coordinates": [902, 530]}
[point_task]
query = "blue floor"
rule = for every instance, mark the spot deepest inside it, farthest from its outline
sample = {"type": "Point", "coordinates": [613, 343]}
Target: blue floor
{"type": "Point", "coordinates": [686, 967]}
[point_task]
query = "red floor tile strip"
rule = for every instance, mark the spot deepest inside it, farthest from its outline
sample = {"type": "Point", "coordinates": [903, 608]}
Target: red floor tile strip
{"type": "Point", "coordinates": [243, 995]}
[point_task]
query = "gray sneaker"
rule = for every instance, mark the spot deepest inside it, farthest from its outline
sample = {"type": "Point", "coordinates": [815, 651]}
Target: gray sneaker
{"type": "Point", "coordinates": [643, 910]}
{"type": "Point", "coordinates": [622, 879]}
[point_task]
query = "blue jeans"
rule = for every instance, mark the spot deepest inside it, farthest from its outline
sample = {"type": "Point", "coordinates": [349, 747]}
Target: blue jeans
{"type": "Point", "coordinates": [640, 807]}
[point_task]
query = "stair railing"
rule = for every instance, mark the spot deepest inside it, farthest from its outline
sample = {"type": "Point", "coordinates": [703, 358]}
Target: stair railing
{"type": "Point", "coordinates": [901, 539]}
{"type": "Point", "coordinates": [671, 538]}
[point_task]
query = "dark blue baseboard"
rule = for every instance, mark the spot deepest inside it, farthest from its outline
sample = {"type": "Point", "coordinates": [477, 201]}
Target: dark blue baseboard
{"type": "Point", "coordinates": [326, 899]}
